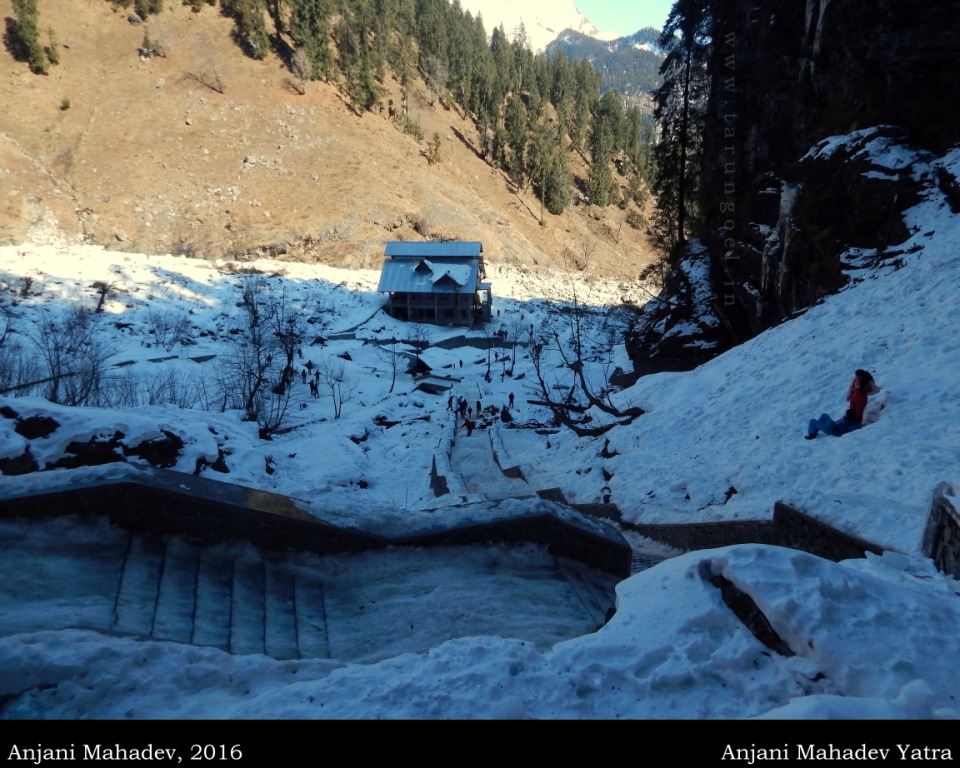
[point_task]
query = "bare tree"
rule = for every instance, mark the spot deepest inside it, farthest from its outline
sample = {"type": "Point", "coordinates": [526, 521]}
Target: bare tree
{"type": "Point", "coordinates": [334, 376]}
{"type": "Point", "coordinates": [73, 357]}
{"type": "Point", "coordinates": [390, 354]}
{"type": "Point", "coordinates": [243, 376]}
{"type": "Point", "coordinates": [169, 387]}
{"type": "Point", "coordinates": [249, 368]}
{"type": "Point", "coordinates": [167, 328]}
{"type": "Point", "coordinates": [573, 409]}
{"type": "Point", "coordinates": [259, 371]}
{"type": "Point", "coordinates": [209, 72]}
{"type": "Point", "coordinates": [579, 258]}
{"type": "Point", "coordinates": [302, 68]}
{"type": "Point", "coordinates": [272, 406]}
{"type": "Point", "coordinates": [488, 335]}
{"type": "Point", "coordinates": [17, 369]}
{"type": "Point", "coordinates": [103, 290]}
{"type": "Point", "coordinates": [420, 340]}
{"type": "Point", "coordinates": [515, 327]}
{"type": "Point", "coordinates": [289, 329]}
{"type": "Point", "coordinates": [5, 318]}
{"type": "Point", "coordinates": [435, 75]}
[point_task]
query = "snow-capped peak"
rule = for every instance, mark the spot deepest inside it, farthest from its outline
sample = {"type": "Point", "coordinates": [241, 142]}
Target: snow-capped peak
{"type": "Point", "coordinates": [543, 20]}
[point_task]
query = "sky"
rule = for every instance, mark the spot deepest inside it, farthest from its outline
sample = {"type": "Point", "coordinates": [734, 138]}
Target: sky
{"type": "Point", "coordinates": [543, 20]}
{"type": "Point", "coordinates": [872, 638]}
{"type": "Point", "coordinates": [622, 19]}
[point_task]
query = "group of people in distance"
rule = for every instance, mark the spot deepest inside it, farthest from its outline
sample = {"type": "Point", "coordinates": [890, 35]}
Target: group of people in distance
{"type": "Point", "coordinates": [462, 409]}
{"type": "Point", "coordinates": [861, 388]}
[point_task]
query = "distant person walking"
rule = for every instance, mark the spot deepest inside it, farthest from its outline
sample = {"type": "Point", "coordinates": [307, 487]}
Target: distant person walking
{"type": "Point", "coordinates": [858, 393]}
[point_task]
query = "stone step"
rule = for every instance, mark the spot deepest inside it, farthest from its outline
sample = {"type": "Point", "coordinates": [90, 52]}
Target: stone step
{"type": "Point", "coordinates": [214, 594]}
{"type": "Point", "coordinates": [247, 606]}
{"type": "Point", "coordinates": [312, 634]}
{"type": "Point", "coordinates": [280, 612]}
{"type": "Point", "coordinates": [640, 561]}
{"type": "Point", "coordinates": [596, 589]}
{"type": "Point", "coordinates": [231, 597]}
{"type": "Point", "coordinates": [136, 602]}
{"type": "Point", "coordinates": [177, 594]}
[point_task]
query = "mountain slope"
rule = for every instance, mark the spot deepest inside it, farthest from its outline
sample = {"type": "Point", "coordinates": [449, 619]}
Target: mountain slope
{"type": "Point", "coordinates": [630, 65]}
{"type": "Point", "coordinates": [138, 154]}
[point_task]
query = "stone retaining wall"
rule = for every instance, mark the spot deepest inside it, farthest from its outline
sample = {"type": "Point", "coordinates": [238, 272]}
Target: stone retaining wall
{"type": "Point", "coordinates": [941, 537]}
{"type": "Point", "coordinates": [502, 458]}
{"type": "Point", "coordinates": [789, 528]}
{"type": "Point", "coordinates": [443, 479]}
{"type": "Point", "coordinates": [165, 502]}
{"type": "Point", "coordinates": [438, 482]}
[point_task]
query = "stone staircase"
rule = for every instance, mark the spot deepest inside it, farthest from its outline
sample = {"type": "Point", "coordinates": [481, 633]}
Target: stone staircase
{"type": "Point", "coordinates": [473, 461]}
{"type": "Point", "coordinates": [235, 598]}
{"type": "Point", "coordinates": [597, 591]}
{"type": "Point", "coordinates": [640, 561]}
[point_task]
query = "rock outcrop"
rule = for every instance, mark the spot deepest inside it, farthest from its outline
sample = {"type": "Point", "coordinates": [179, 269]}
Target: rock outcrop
{"type": "Point", "coordinates": [781, 209]}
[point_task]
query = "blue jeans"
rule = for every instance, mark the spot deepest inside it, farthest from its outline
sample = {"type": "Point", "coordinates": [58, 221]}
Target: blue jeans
{"type": "Point", "coordinates": [824, 424]}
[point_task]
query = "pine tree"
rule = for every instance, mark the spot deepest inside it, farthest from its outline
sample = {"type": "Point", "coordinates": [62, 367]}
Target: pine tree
{"type": "Point", "coordinates": [250, 29]}
{"type": "Point", "coordinates": [356, 63]}
{"type": "Point", "coordinates": [502, 53]}
{"type": "Point", "coordinates": [145, 7]}
{"type": "Point", "coordinates": [26, 34]}
{"type": "Point", "coordinates": [516, 124]}
{"type": "Point", "coordinates": [680, 102]}
{"type": "Point", "coordinates": [310, 30]}
{"type": "Point", "coordinates": [549, 170]}
{"type": "Point", "coordinates": [585, 97]}
{"type": "Point", "coordinates": [432, 28]}
{"type": "Point", "coordinates": [601, 153]}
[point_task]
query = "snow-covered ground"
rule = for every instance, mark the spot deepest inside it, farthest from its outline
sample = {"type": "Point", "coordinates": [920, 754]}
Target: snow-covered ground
{"type": "Point", "coordinates": [873, 638]}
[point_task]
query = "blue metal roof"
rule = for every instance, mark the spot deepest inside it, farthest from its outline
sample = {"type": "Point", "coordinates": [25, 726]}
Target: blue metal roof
{"type": "Point", "coordinates": [433, 250]}
{"type": "Point", "coordinates": [403, 276]}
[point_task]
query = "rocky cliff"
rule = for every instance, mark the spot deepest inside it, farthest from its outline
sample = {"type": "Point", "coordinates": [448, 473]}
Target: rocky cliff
{"type": "Point", "coordinates": [780, 213]}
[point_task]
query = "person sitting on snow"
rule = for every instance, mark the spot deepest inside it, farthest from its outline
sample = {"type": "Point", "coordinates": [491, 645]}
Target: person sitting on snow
{"type": "Point", "coordinates": [858, 393]}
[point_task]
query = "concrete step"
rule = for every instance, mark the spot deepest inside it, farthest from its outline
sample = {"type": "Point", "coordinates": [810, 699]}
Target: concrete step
{"type": "Point", "coordinates": [177, 594]}
{"type": "Point", "coordinates": [472, 459]}
{"type": "Point", "coordinates": [136, 602]}
{"type": "Point", "coordinates": [231, 597]}
{"type": "Point", "coordinates": [214, 593]}
{"type": "Point", "coordinates": [312, 634]}
{"type": "Point", "coordinates": [280, 612]}
{"type": "Point", "coordinates": [247, 606]}
{"type": "Point", "coordinates": [640, 561]}
{"type": "Point", "coordinates": [596, 589]}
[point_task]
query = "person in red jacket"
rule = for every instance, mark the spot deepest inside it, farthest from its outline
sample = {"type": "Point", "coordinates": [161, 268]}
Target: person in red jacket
{"type": "Point", "coordinates": [860, 390]}
{"type": "Point", "coordinates": [858, 393]}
